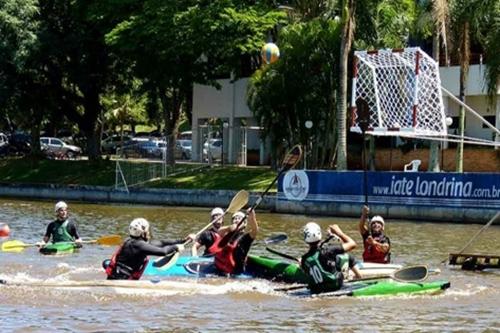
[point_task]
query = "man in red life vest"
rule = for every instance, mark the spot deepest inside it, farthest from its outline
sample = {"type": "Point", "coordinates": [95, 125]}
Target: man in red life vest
{"type": "Point", "coordinates": [130, 260]}
{"type": "Point", "coordinates": [235, 245]}
{"type": "Point", "coordinates": [377, 246]}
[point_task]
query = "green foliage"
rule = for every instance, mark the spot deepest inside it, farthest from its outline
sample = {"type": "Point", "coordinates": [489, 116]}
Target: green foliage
{"type": "Point", "coordinates": [299, 86]}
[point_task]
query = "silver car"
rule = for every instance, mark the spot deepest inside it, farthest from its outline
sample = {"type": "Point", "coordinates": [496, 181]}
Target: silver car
{"type": "Point", "coordinates": [57, 148]}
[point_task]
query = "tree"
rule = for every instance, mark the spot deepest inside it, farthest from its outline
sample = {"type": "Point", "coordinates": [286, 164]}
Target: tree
{"type": "Point", "coordinates": [186, 42]}
{"type": "Point", "coordinates": [475, 19]}
{"type": "Point", "coordinates": [300, 87]}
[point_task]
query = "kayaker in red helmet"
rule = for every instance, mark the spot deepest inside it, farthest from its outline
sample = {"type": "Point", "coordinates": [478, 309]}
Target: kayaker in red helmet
{"type": "Point", "coordinates": [210, 238]}
{"type": "Point", "coordinates": [327, 266]}
{"type": "Point", "coordinates": [236, 243]}
{"type": "Point", "coordinates": [61, 229]}
{"type": "Point", "coordinates": [130, 260]}
{"type": "Point", "coordinates": [377, 246]}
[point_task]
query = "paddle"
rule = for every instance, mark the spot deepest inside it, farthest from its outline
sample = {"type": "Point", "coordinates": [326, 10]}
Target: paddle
{"type": "Point", "coordinates": [239, 201]}
{"type": "Point", "coordinates": [17, 245]}
{"type": "Point", "coordinates": [289, 161]}
{"type": "Point", "coordinates": [363, 112]}
{"type": "Point", "coordinates": [405, 274]}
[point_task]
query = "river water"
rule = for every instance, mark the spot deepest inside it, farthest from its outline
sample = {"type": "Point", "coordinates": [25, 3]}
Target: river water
{"type": "Point", "coordinates": [208, 305]}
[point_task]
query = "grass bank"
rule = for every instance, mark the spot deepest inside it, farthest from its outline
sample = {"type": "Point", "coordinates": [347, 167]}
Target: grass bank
{"type": "Point", "coordinates": [102, 173]}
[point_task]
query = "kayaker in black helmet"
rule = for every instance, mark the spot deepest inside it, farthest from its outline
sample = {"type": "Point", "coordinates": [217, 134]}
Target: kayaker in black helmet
{"type": "Point", "coordinates": [377, 246]}
{"type": "Point", "coordinates": [130, 260]}
{"type": "Point", "coordinates": [62, 229]}
{"type": "Point", "coordinates": [327, 265]}
{"type": "Point", "coordinates": [210, 238]}
{"type": "Point", "coordinates": [234, 247]}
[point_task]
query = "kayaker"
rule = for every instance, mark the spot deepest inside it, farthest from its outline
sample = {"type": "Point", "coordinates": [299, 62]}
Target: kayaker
{"type": "Point", "coordinates": [234, 246]}
{"type": "Point", "coordinates": [130, 260]}
{"type": "Point", "coordinates": [327, 266]}
{"type": "Point", "coordinates": [62, 229]}
{"type": "Point", "coordinates": [377, 246]}
{"type": "Point", "coordinates": [210, 238]}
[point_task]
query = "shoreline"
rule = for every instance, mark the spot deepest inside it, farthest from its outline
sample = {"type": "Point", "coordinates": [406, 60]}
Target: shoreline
{"type": "Point", "coordinates": [210, 198]}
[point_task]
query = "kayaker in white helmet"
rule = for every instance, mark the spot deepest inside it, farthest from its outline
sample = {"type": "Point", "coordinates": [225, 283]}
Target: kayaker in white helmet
{"type": "Point", "coordinates": [210, 238]}
{"type": "Point", "coordinates": [130, 260]}
{"type": "Point", "coordinates": [61, 229]}
{"type": "Point", "coordinates": [377, 246]}
{"type": "Point", "coordinates": [327, 266]}
{"type": "Point", "coordinates": [234, 246]}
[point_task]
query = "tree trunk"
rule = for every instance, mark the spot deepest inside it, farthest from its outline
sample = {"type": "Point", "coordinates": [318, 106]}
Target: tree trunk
{"type": "Point", "coordinates": [464, 69]}
{"type": "Point", "coordinates": [346, 42]}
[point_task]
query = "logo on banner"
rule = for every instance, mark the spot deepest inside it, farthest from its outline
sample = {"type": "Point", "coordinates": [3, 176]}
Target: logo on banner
{"type": "Point", "coordinates": [296, 185]}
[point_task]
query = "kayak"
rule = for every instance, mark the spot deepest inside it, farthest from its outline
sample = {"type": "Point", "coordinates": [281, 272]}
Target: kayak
{"type": "Point", "coordinates": [257, 267]}
{"type": "Point", "coordinates": [59, 248]}
{"type": "Point", "coordinates": [380, 287]}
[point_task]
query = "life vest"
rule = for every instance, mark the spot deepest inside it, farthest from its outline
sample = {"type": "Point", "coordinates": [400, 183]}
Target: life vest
{"type": "Point", "coordinates": [321, 280]}
{"type": "Point", "coordinates": [118, 270]}
{"type": "Point", "coordinates": [214, 248]}
{"type": "Point", "coordinates": [61, 234]}
{"type": "Point", "coordinates": [373, 254]}
{"type": "Point", "coordinates": [224, 258]}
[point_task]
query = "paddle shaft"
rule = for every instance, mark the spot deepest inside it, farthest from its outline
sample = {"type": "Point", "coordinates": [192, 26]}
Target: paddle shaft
{"type": "Point", "coordinates": [479, 232]}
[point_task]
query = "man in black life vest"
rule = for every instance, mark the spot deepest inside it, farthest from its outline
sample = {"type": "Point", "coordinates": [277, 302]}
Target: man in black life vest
{"type": "Point", "coordinates": [327, 266]}
{"type": "Point", "coordinates": [377, 246]}
{"type": "Point", "coordinates": [231, 258]}
{"type": "Point", "coordinates": [210, 238]}
{"type": "Point", "coordinates": [130, 260]}
{"type": "Point", "coordinates": [61, 229]}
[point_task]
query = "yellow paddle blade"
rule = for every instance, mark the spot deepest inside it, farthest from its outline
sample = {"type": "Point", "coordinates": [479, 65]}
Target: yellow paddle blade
{"type": "Point", "coordinates": [239, 201]}
{"type": "Point", "coordinates": [13, 246]}
{"type": "Point", "coordinates": [109, 240]}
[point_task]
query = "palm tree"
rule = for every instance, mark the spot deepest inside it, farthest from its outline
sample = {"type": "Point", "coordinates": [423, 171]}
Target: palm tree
{"type": "Point", "coordinates": [472, 19]}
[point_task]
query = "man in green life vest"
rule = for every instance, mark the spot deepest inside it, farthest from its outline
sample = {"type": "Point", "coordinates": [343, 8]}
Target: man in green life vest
{"type": "Point", "coordinates": [327, 265]}
{"type": "Point", "coordinates": [62, 229]}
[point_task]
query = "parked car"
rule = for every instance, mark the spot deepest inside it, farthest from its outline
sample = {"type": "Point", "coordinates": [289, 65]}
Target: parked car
{"type": "Point", "coordinates": [214, 150]}
{"type": "Point", "coordinates": [150, 148]}
{"type": "Point", "coordinates": [186, 135]}
{"type": "Point", "coordinates": [110, 144]}
{"type": "Point", "coordinates": [183, 149]}
{"type": "Point", "coordinates": [57, 148]}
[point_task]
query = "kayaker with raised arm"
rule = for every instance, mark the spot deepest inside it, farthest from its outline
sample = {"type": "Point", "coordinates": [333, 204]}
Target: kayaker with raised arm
{"type": "Point", "coordinates": [327, 266]}
{"type": "Point", "coordinates": [61, 229]}
{"type": "Point", "coordinates": [130, 260]}
{"type": "Point", "coordinates": [210, 238]}
{"type": "Point", "coordinates": [231, 258]}
{"type": "Point", "coordinates": [377, 246]}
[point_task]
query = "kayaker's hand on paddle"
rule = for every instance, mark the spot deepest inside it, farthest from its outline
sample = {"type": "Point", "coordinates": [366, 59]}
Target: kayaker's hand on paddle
{"type": "Point", "coordinates": [190, 238]}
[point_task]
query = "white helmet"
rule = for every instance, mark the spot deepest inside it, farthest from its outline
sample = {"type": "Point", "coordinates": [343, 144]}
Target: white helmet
{"type": "Point", "coordinates": [138, 227]}
{"type": "Point", "coordinates": [238, 215]}
{"type": "Point", "coordinates": [216, 211]}
{"type": "Point", "coordinates": [60, 205]}
{"type": "Point", "coordinates": [312, 233]}
{"type": "Point", "coordinates": [379, 219]}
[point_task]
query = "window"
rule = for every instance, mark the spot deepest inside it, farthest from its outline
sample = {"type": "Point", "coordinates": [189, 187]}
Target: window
{"type": "Point", "coordinates": [490, 119]}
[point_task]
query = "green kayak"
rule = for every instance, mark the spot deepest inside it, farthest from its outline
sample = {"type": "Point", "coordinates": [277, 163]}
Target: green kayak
{"type": "Point", "coordinates": [275, 270]}
{"type": "Point", "coordinates": [59, 248]}
{"type": "Point", "coordinates": [382, 287]}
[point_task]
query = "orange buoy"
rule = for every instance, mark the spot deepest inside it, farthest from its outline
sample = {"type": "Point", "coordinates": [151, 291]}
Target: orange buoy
{"type": "Point", "coordinates": [4, 230]}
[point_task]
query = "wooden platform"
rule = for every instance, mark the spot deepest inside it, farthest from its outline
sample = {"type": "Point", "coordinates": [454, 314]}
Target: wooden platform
{"type": "Point", "coordinates": [474, 261]}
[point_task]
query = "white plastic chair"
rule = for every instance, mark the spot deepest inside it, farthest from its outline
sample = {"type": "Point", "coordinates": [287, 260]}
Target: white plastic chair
{"type": "Point", "coordinates": [412, 166]}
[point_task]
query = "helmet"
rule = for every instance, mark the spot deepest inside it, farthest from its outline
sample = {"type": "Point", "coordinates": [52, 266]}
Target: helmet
{"type": "Point", "coordinates": [216, 211]}
{"type": "Point", "coordinates": [312, 233]}
{"type": "Point", "coordinates": [239, 215]}
{"type": "Point", "coordinates": [379, 219]}
{"type": "Point", "coordinates": [60, 205]}
{"type": "Point", "coordinates": [138, 227]}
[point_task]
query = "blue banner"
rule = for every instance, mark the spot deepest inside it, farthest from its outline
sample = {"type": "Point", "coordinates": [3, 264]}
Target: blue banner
{"type": "Point", "coordinates": [465, 190]}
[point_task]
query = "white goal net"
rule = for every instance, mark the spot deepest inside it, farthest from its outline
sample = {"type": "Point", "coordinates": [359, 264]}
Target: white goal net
{"type": "Point", "coordinates": [402, 91]}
